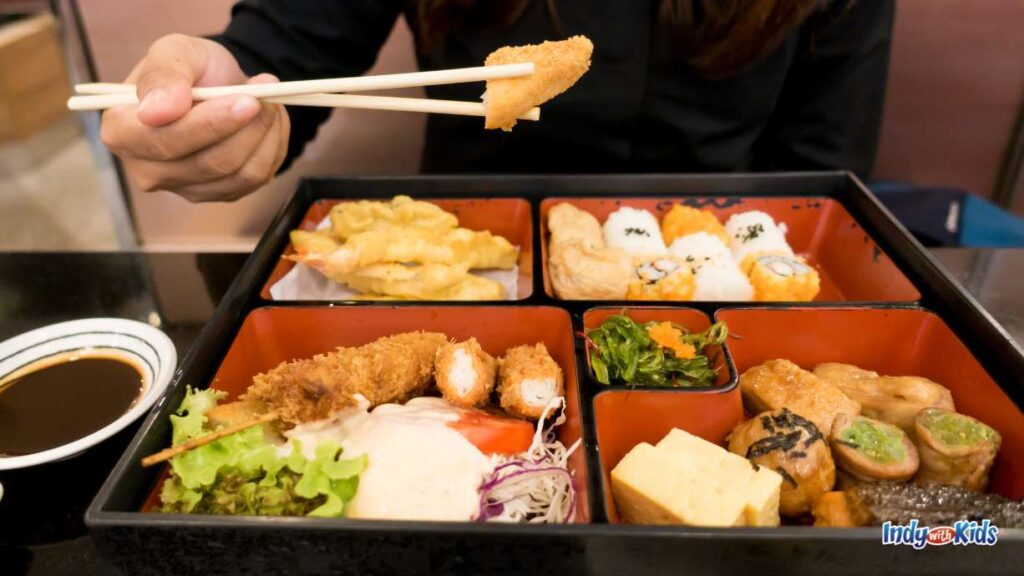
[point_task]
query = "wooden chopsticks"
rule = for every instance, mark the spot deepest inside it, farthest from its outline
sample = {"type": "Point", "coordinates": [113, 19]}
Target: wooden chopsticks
{"type": "Point", "coordinates": [100, 95]}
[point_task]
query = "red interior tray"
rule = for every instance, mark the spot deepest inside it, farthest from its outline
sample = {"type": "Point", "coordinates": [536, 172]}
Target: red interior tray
{"type": "Point", "coordinates": [508, 217]}
{"type": "Point", "coordinates": [270, 336]}
{"type": "Point", "coordinates": [852, 266]}
{"type": "Point", "coordinates": [694, 320]}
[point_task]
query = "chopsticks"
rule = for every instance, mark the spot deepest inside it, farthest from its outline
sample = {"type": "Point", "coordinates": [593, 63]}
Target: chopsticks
{"type": "Point", "coordinates": [100, 96]}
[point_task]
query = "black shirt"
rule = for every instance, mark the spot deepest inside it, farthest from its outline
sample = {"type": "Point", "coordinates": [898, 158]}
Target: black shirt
{"type": "Point", "coordinates": [814, 103]}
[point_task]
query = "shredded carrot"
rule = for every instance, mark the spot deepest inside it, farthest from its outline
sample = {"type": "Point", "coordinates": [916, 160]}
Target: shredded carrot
{"type": "Point", "coordinates": [668, 336]}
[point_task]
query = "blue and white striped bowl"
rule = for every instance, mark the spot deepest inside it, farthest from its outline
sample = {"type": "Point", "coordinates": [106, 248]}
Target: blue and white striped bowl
{"type": "Point", "coordinates": [141, 345]}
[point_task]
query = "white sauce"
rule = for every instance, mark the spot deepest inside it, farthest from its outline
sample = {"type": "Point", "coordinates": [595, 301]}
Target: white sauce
{"type": "Point", "coordinates": [418, 468]}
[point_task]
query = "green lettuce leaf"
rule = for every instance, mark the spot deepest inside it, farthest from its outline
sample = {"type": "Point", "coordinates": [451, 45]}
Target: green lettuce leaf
{"type": "Point", "coordinates": [243, 473]}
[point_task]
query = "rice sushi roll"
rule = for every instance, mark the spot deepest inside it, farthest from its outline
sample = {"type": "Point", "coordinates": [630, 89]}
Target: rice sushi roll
{"type": "Point", "coordinates": [782, 278]}
{"type": "Point", "coordinates": [700, 247]}
{"type": "Point", "coordinates": [755, 232]}
{"type": "Point", "coordinates": [683, 220]}
{"type": "Point", "coordinates": [721, 281]}
{"type": "Point", "coordinates": [528, 381]}
{"type": "Point", "coordinates": [634, 231]}
{"type": "Point", "coordinates": [661, 279]}
{"type": "Point", "coordinates": [464, 373]}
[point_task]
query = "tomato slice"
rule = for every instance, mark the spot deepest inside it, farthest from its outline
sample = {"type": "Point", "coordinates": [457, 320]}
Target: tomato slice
{"type": "Point", "coordinates": [494, 434]}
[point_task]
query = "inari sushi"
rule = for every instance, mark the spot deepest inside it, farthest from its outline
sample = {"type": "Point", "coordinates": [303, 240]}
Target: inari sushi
{"type": "Point", "coordinates": [634, 230]}
{"type": "Point", "coordinates": [465, 373]}
{"type": "Point", "coordinates": [529, 380]}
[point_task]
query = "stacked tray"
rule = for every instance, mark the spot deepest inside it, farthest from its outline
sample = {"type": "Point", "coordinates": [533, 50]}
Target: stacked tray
{"type": "Point", "coordinates": [884, 303]}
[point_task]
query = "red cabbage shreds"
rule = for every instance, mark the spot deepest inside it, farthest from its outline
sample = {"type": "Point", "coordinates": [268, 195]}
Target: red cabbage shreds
{"type": "Point", "coordinates": [535, 486]}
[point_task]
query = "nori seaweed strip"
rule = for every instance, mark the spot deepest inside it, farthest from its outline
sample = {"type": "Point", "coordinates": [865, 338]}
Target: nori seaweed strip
{"type": "Point", "coordinates": [785, 476]}
{"type": "Point", "coordinates": [769, 444]}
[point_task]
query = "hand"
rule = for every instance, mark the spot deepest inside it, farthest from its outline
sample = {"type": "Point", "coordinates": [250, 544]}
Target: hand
{"type": "Point", "coordinates": [216, 150]}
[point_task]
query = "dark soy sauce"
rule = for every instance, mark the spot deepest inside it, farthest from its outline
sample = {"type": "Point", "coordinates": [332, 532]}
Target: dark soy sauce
{"type": "Point", "coordinates": [62, 400]}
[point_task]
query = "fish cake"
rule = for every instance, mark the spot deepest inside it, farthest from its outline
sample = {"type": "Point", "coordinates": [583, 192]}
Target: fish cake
{"type": "Point", "coordinates": [465, 373]}
{"type": "Point", "coordinates": [782, 384]}
{"type": "Point", "coordinates": [529, 380]}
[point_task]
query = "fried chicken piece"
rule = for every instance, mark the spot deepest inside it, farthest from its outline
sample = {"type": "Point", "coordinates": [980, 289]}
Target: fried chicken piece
{"type": "Point", "coordinates": [557, 66]}
{"type": "Point", "coordinates": [528, 380]}
{"type": "Point", "coordinates": [465, 373]}
{"type": "Point", "coordinates": [390, 369]}
{"type": "Point", "coordinates": [349, 218]}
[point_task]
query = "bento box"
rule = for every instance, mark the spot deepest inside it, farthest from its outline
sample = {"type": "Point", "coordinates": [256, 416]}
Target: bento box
{"type": "Point", "coordinates": [884, 304]}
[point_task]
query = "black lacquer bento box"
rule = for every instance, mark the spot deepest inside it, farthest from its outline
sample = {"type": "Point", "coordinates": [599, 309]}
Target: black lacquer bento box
{"type": "Point", "coordinates": [884, 301]}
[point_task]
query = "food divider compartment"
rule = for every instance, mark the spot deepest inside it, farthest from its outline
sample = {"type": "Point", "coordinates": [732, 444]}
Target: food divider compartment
{"type": "Point", "coordinates": [892, 342]}
{"type": "Point", "coordinates": [272, 335]}
{"type": "Point", "coordinates": [694, 320]}
{"type": "Point", "coordinates": [851, 265]}
{"type": "Point", "coordinates": [508, 217]}
{"type": "Point", "coordinates": [625, 418]}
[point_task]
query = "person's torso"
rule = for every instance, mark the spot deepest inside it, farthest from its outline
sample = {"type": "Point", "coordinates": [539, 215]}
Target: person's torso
{"type": "Point", "coordinates": [639, 108]}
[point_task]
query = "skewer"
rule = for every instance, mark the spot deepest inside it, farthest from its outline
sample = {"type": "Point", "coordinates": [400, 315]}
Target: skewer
{"type": "Point", "coordinates": [168, 453]}
{"type": "Point", "coordinates": [327, 85]}
{"type": "Point", "coordinates": [99, 90]}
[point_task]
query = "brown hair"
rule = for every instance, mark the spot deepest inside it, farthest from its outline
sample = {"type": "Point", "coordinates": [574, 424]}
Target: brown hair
{"type": "Point", "coordinates": [720, 37]}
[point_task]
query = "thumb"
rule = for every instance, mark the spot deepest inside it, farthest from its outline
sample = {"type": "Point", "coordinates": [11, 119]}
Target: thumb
{"type": "Point", "coordinates": [165, 78]}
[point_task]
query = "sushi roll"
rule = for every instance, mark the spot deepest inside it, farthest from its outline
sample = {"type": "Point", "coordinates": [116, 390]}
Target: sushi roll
{"type": "Point", "coordinates": [721, 281]}
{"type": "Point", "coordinates": [700, 247]}
{"type": "Point", "coordinates": [634, 231]}
{"type": "Point", "coordinates": [683, 220]}
{"type": "Point", "coordinates": [755, 232]}
{"type": "Point", "coordinates": [528, 381]}
{"type": "Point", "coordinates": [781, 278]}
{"type": "Point", "coordinates": [661, 279]}
{"type": "Point", "coordinates": [464, 373]}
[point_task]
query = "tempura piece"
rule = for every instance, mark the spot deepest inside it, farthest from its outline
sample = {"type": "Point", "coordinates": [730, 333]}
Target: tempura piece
{"type": "Point", "coordinates": [782, 384]}
{"type": "Point", "coordinates": [528, 380]}
{"type": "Point", "coordinates": [557, 66]}
{"type": "Point", "coordinates": [465, 373]}
{"type": "Point", "coordinates": [956, 450]}
{"type": "Point", "coordinates": [309, 243]}
{"type": "Point", "coordinates": [421, 246]}
{"type": "Point", "coordinates": [472, 287]}
{"type": "Point", "coordinates": [423, 282]}
{"type": "Point", "coordinates": [391, 369]}
{"type": "Point", "coordinates": [349, 218]}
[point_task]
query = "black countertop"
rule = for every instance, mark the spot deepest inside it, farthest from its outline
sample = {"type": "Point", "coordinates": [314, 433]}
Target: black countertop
{"type": "Point", "coordinates": [41, 528]}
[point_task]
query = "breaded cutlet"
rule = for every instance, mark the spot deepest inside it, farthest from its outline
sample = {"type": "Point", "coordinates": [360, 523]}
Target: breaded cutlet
{"type": "Point", "coordinates": [390, 369]}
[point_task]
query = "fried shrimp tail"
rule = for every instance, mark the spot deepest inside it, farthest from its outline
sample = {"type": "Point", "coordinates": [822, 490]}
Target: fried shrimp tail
{"type": "Point", "coordinates": [528, 380]}
{"type": "Point", "coordinates": [465, 373]}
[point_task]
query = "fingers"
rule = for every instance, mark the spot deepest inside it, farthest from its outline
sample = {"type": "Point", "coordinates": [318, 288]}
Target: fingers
{"type": "Point", "coordinates": [258, 169]}
{"type": "Point", "coordinates": [165, 78]}
{"type": "Point", "coordinates": [206, 124]}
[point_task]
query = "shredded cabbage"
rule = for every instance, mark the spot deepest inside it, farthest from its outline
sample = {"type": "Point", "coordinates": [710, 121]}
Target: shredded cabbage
{"type": "Point", "coordinates": [243, 474]}
{"type": "Point", "coordinates": [536, 486]}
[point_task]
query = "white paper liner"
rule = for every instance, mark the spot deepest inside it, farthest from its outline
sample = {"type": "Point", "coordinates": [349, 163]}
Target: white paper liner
{"type": "Point", "coordinates": [305, 283]}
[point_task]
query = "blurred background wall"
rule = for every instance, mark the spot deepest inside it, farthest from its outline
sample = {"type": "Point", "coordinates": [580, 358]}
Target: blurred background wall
{"type": "Point", "coordinates": [956, 89]}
